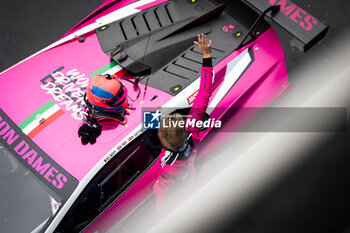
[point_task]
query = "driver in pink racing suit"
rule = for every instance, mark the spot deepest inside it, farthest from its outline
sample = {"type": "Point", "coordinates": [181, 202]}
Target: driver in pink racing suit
{"type": "Point", "coordinates": [180, 144]}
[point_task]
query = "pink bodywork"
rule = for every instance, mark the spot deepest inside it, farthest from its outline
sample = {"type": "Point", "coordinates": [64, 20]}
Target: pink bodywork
{"type": "Point", "coordinates": [21, 95]}
{"type": "Point", "coordinates": [264, 81]}
{"type": "Point", "coordinates": [22, 83]}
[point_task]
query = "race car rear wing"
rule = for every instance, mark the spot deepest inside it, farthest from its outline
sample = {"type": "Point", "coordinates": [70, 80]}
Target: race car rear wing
{"type": "Point", "coordinates": [303, 26]}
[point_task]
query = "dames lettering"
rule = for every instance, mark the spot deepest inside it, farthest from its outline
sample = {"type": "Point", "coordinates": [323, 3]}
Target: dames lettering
{"type": "Point", "coordinates": [8, 134]}
{"type": "Point", "coordinates": [44, 169]}
{"type": "Point", "coordinates": [296, 14]}
{"type": "Point", "coordinates": [23, 149]}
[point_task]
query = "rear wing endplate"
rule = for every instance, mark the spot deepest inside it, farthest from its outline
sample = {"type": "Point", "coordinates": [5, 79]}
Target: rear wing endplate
{"type": "Point", "coordinates": [303, 26]}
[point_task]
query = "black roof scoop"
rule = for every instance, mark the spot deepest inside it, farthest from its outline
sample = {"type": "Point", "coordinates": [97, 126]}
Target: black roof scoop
{"type": "Point", "coordinates": [158, 42]}
{"type": "Point", "coordinates": [147, 53]}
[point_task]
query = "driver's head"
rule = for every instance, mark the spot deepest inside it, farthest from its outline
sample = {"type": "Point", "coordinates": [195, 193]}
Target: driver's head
{"type": "Point", "coordinates": [171, 135]}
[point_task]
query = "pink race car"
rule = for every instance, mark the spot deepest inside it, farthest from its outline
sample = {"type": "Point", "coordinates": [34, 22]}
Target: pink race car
{"type": "Point", "coordinates": [56, 183]}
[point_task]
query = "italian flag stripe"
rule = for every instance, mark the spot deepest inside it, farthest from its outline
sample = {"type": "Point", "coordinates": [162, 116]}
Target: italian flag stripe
{"type": "Point", "coordinates": [40, 119]}
{"type": "Point", "coordinates": [104, 69]}
{"type": "Point", "coordinates": [42, 126]}
{"type": "Point", "coordinates": [41, 110]}
{"type": "Point", "coordinates": [111, 68]}
{"type": "Point", "coordinates": [121, 73]}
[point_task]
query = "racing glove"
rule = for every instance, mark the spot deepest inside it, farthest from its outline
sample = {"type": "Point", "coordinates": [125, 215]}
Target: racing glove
{"type": "Point", "coordinates": [89, 133]}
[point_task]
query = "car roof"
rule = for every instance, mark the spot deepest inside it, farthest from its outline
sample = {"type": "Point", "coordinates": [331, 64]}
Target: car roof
{"type": "Point", "coordinates": [50, 86]}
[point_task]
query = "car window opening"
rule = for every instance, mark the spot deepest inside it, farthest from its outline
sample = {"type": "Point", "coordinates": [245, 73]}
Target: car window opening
{"type": "Point", "coordinates": [112, 181]}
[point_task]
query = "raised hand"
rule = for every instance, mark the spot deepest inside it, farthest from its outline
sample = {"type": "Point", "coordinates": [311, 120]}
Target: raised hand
{"type": "Point", "coordinates": [204, 45]}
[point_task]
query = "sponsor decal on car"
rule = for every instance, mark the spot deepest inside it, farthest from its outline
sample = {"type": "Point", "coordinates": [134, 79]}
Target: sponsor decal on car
{"type": "Point", "coordinates": [33, 158]}
{"type": "Point", "coordinates": [192, 97]}
{"type": "Point", "coordinates": [67, 87]}
{"type": "Point", "coordinates": [296, 14]}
